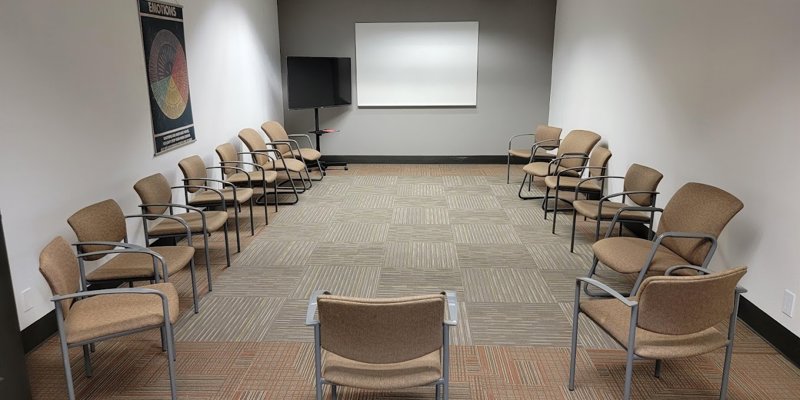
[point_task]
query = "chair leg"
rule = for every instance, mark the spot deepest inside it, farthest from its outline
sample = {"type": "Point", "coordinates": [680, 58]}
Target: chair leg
{"type": "Point", "coordinates": [87, 361]}
{"type": "Point", "coordinates": [208, 259]}
{"type": "Point", "coordinates": [574, 350]}
{"type": "Point", "coordinates": [227, 245]}
{"type": "Point", "coordinates": [62, 339]}
{"type": "Point", "coordinates": [334, 395]}
{"type": "Point", "coordinates": [436, 396]}
{"type": "Point", "coordinates": [252, 222]}
{"type": "Point", "coordinates": [163, 338]}
{"type": "Point", "coordinates": [194, 287]}
{"type": "Point", "coordinates": [657, 372]}
{"type": "Point", "coordinates": [236, 222]}
{"type": "Point", "coordinates": [597, 229]}
{"type": "Point", "coordinates": [726, 368]}
{"type": "Point", "coordinates": [508, 180]}
{"type": "Point", "coordinates": [545, 201]}
{"type": "Point", "coordinates": [275, 184]}
{"type": "Point", "coordinates": [574, 222]}
{"type": "Point", "coordinates": [171, 360]}
{"type": "Point", "coordinates": [555, 212]}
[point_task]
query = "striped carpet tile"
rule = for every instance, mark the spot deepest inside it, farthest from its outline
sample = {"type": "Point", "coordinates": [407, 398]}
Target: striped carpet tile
{"type": "Point", "coordinates": [375, 180]}
{"type": "Point", "coordinates": [293, 233]}
{"type": "Point", "coordinates": [468, 201]}
{"type": "Point", "coordinates": [420, 201]}
{"type": "Point", "coordinates": [483, 255]}
{"type": "Point", "coordinates": [422, 255]}
{"type": "Point", "coordinates": [461, 180]}
{"type": "Point", "coordinates": [261, 281]}
{"type": "Point", "coordinates": [556, 256]}
{"type": "Point", "coordinates": [398, 283]}
{"type": "Point", "coordinates": [505, 285]}
{"type": "Point", "coordinates": [357, 233]}
{"type": "Point", "coordinates": [294, 216]}
{"type": "Point", "coordinates": [486, 216]}
{"type": "Point", "coordinates": [345, 281]}
{"type": "Point", "coordinates": [420, 190]}
{"type": "Point", "coordinates": [229, 319]}
{"type": "Point", "coordinates": [288, 325]}
{"type": "Point", "coordinates": [277, 253]}
{"type": "Point", "coordinates": [534, 324]}
{"type": "Point", "coordinates": [420, 180]}
{"type": "Point", "coordinates": [368, 201]}
{"type": "Point", "coordinates": [363, 216]}
{"type": "Point", "coordinates": [420, 215]}
{"type": "Point", "coordinates": [485, 234]}
{"type": "Point", "coordinates": [350, 254]}
{"type": "Point", "coordinates": [418, 233]}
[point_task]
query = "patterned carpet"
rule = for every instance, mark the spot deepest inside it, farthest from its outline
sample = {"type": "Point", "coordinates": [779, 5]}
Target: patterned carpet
{"type": "Point", "coordinates": [393, 230]}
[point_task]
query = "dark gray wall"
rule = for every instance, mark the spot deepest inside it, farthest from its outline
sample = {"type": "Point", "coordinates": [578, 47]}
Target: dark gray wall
{"type": "Point", "coordinates": [515, 53]}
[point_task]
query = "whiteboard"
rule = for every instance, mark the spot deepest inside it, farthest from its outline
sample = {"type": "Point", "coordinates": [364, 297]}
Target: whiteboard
{"type": "Point", "coordinates": [417, 64]}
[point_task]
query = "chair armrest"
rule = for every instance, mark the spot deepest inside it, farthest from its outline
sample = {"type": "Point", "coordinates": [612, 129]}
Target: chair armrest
{"type": "Point", "coordinates": [511, 139]}
{"type": "Point", "coordinates": [565, 156]}
{"type": "Point", "coordinates": [220, 181]}
{"type": "Point", "coordinates": [627, 193]}
{"type": "Point", "coordinates": [596, 178]}
{"type": "Point", "coordinates": [657, 244]}
{"type": "Point", "coordinates": [670, 270]}
{"type": "Point", "coordinates": [452, 308]}
{"type": "Point", "coordinates": [632, 208]}
{"type": "Point", "coordinates": [179, 220]}
{"type": "Point", "coordinates": [301, 135]}
{"type": "Point", "coordinates": [312, 307]}
{"type": "Point", "coordinates": [254, 165]}
{"type": "Point", "coordinates": [602, 286]}
{"type": "Point", "coordinates": [120, 248]}
{"type": "Point", "coordinates": [249, 181]}
{"type": "Point", "coordinates": [184, 206]}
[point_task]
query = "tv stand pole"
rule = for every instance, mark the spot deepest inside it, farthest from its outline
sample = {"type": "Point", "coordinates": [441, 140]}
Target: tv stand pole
{"type": "Point", "coordinates": [318, 132]}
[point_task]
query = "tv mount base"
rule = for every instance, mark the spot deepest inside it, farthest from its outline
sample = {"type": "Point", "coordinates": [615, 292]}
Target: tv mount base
{"type": "Point", "coordinates": [319, 132]}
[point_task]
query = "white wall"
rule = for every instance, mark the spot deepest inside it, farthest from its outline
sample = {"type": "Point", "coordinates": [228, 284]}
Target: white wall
{"type": "Point", "coordinates": [704, 91]}
{"type": "Point", "coordinates": [74, 111]}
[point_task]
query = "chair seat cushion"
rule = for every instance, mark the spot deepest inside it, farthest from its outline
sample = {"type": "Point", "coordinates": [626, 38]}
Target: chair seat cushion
{"type": "Point", "coordinates": [614, 317]}
{"type": "Point", "coordinates": [305, 153]}
{"type": "Point", "coordinates": [540, 169]}
{"type": "Point", "coordinates": [421, 371]}
{"type": "Point", "coordinates": [588, 208]}
{"type": "Point", "coordinates": [140, 265]}
{"type": "Point", "coordinates": [526, 153]}
{"type": "Point", "coordinates": [571, 182]}
{"type": "Point", "coordinates": [627, 255]}
{"type": "Point", "coordinates": [209, 197]}
{"type": "Point", "coordinates": [215, 220]}
{"type": "Point", "coordinates": [256, 177]}
{"type": "Point", "coordinates": [109, 314]}
{"type": "Point", "coordinates": [292, 164]}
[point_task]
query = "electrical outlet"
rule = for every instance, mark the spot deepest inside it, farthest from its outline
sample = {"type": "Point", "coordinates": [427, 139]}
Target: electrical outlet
{"type": "Point", "coordinates": [788, 303]}
{"type": "Point", "coordinates": [26, 300]}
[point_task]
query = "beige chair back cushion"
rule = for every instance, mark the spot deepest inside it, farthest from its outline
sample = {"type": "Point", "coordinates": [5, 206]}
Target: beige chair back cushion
{"type": "Point", "coordinates": [641, 178]}
{"type": "Point", "coordinates": [275, 132]}
{"type": "Point", "coordinates": [577, 141]}
{"type": "Point", "coordinates": [381, 331]}
{"type": "Point", "coordinates": [550, 133]}
{"type": "Point", "coordinates": [599, 159]}
{"type": "Point", "coordinates": [227, 153]}
{"type": "Point", "coordinates": [680, 305]}
{"type": "Point", "coordinates": [154, 189]}
{"type": "Point", "coordinates": [254, 142]}
{"type": "Point", "coordinates": [60, 268]}
{"type": "Point", "coordinates": [103, 221]}
{"type": "Point", "coordinates": [193, 167]}
{"type": "Point", "coordinates": [701, 208]}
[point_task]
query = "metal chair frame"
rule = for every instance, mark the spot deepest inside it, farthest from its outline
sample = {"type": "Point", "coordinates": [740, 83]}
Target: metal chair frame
{"type": "Point", "coordinates": [534, 147]}
{"type": "Point", "coordinates": [291, 180]}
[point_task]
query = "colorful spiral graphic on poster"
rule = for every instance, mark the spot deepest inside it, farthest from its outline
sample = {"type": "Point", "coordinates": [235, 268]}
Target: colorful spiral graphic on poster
{"type": "Point", "coordinates": [168, 75]}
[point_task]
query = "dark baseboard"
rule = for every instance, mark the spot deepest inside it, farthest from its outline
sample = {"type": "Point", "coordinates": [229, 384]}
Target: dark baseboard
{"type": "Point", "coordinates": [423, 159]}
{"type": "Point", "coordinates": [773, 332]}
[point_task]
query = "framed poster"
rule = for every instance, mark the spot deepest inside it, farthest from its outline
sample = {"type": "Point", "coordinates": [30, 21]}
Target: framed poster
{"type": "Point", "coordinates": [167, 75]}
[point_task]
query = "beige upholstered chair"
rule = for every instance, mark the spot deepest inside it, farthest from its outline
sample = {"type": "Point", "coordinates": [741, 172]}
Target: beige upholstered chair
{"type": "Point", "coordinates": [545, 138]}
{"type": "Point", "coordinates": [668, 317]}
{"type": "Point", "coordinates": [199, 193]}
{"type": "Point", "coordinates": [156, 196]}
{"type": "Point", "coordinates": [687, 234]}
{"type": "Point", "coordinates": [572, 152]}
{"type": "Point", "coordinates": [257, 178]}
{"type": "Point", "coordinates": [562, 181]}
{"type": "Point", "coordinates": [291, 148]}
{"type": "Point", "coordinates": [640, 184]}
{"type": "Point", "coordinates": [100, 228]}
{"type": "Point", "coordinates": [261, 155]}
{"type": "Point", "coordinates": [382, 344]}
{"type": "Point", "coordinates": [85, 317]}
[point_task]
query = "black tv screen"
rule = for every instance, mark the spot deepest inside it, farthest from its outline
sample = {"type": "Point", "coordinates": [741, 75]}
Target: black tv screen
{"type": "Point", "coordinates": [318, 82]}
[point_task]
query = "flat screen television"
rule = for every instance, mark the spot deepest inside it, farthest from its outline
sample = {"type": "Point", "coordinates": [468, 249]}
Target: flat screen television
{"type": "Point", "coordinates": [316, 82]}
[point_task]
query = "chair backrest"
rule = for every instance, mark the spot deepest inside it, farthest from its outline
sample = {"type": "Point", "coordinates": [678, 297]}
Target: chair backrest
{"type": "Point", "coordinates": [154, 189]}
{"type": "Point", "coordinates": [381, 331]}
{"type": "Point", "coordinates": [193, 167]}
{"type": "Point", "coordinates": [599, 159]}
{"type": "Point", "coordinates": [103, 221]}
{"type": "Point", "coordinates": [577, 141]}
{"type": "Point", "coordinates": [700, 208]}
{"type": "Point", "coordinates": [60, 268]}
{"type": "Point", "coordinates": [254, 142]}
{"type": "Point", "coordinates": [641, 178]}
{"type": "Point", "coordinates": [275, 132]}
{"type": "Point", "coordinates": [680, 305]}
{"type": "Point", "coordinates": [550, 133]}
{"type": "Point", "coordinates": [227, 154]}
